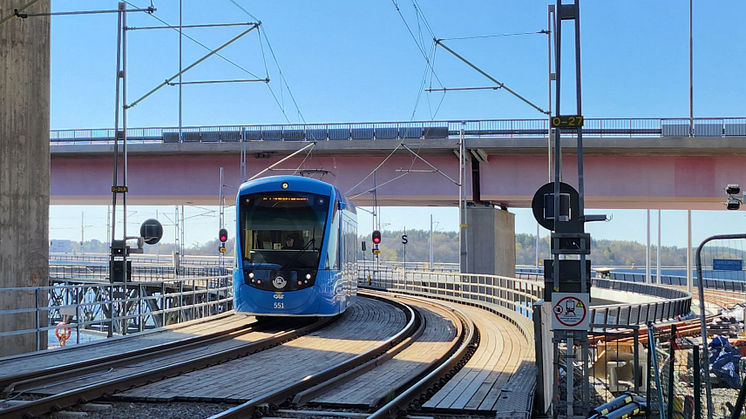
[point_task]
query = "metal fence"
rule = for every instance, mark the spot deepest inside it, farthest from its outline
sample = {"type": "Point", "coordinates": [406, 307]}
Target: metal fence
{"type": "Point", "coordinates": [83, 299]}
{"type": "Point", "coordinates": [709, 283]}
{"type": "Point", "coordinates": [116, 308]}
{"type": "Point", "coordinates": [425, 130]}
{"type": "Point", "coordinates": [518, 294]}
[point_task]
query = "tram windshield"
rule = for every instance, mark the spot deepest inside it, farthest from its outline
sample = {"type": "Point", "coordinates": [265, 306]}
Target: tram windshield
{"type": "Point", "coordinates": [282, 229]}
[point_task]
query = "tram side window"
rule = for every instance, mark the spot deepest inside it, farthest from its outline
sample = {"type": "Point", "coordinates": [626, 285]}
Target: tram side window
{"type": "Point", "coordinates": [332, 250]}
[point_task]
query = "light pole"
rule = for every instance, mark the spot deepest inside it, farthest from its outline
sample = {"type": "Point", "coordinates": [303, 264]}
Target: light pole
{"type": "Point", "coordinates": [431, 242]}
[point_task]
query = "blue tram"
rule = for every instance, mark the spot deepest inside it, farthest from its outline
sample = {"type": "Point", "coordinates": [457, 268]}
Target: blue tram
{"type": "Point", "coordinates": [295, 248]}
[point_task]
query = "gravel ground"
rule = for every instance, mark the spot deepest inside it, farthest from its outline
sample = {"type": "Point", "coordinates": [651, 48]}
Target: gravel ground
{"type": "Point", "coordinates": [127, 410]}
{"type": "Point", "coordinates": [179, 410]}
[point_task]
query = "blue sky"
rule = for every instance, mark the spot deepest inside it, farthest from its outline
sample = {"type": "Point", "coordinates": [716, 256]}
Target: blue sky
{"type": "Point", "coordinates": [333, 61]}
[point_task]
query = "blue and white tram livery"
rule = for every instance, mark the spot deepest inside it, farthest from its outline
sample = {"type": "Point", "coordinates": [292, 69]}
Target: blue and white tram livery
{"type": "Point", "coordinates": [295, 248]}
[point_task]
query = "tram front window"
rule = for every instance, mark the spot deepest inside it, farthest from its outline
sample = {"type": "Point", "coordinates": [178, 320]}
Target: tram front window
{"type": "Point", "coordinates": [282, 230]}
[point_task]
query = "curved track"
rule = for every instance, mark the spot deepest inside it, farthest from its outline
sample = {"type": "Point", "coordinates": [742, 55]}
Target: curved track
{"type": "Point", "coordinates": [384, 356]}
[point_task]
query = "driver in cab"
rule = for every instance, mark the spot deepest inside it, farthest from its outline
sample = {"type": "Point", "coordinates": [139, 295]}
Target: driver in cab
{"type": "Point", "coordinates": [290, 243]}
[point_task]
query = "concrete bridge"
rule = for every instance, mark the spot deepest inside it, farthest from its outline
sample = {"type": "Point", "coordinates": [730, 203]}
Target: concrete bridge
{"type": "Point", "coordinates": [628, 163]}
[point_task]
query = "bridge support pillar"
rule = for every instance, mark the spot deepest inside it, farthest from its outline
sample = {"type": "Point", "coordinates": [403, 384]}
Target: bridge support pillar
{"type": "Point", "coordinates": [489, 247]}
{"type": "Point", "coordinates": [24, 173]}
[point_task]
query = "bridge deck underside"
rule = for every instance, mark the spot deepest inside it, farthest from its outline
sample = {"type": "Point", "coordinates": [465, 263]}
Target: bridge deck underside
{"type": "Point", "coordinates": [508, 179]}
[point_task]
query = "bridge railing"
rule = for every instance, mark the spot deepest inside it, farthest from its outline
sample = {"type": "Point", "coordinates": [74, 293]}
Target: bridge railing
{"type": "Point", "coordinates": [103, 308]}
{"type": "Point", "coordinates": [424, 130]}
{"type": "Point", "coordinates": [709, 283]}
{"type": "Point", "coordinates": [519, 294]}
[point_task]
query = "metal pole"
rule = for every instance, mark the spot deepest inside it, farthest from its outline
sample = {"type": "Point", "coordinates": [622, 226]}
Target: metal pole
{"type": "Point", "coordinates": [537, 245]}
{"type": "Point", "coordinates": [221, 206]}
{"type": "Point", "coordinates": [550, 14]}
{"type": "Point", "coordinates": [648, 279]}
{"type": "Point", "coordinates": [460, 195]}
{"type": "Point", "coordinates": [689, 276]}
{"type": "Point", "coordinates": [181, 69]}
{"type": "Point", "coordinates": [120, 30]}
{"type": "Point", "coordinates": [124, 151]}
{"type": "Point", "coordinates": [691, 75]}
{"type": "Point", "coordinates": [431, 242]}
{"type": "Point", "coordinates": [658, 253]}
{"type": "Point", "coordinates": [557, 135]}
{"type": "Point", "coordinates": [569, 359]}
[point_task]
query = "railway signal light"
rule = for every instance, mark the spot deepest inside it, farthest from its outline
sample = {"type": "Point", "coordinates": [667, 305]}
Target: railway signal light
{"type": "Point", "coordinates": [151, 231]}
{"type": "Point", "coordinates": [223, 235]}
{"type": "Point", "coordinates": [376, 237]}
{"type": "Point", "coordinates": [735, 197]}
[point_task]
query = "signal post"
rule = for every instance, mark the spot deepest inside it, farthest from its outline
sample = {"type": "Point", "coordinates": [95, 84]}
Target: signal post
{"type": "Point", "coordinates": [559, 207]}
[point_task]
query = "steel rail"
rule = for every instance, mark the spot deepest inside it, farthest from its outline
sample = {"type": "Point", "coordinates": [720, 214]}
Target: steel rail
{"type": "Point", "coordinates": [266, 402]}
{"type": "Point", "coordinates": [401, 403]}
{"type": "Point", "coordinates": [302, 397]}
{"type": "Point", "coordinates": [34, 379]}
{"type": "Point", "coordinates": [84, 394]}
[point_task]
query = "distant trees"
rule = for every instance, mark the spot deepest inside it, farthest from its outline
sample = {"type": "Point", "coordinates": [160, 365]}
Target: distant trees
{"type": "Point", "coordinates": [445, 249]}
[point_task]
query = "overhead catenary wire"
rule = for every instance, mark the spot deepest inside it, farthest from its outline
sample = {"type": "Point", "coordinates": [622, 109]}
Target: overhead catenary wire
{"type": "Point", "coordinates": [445, 89]}
{"type": "Point", "coordinates": [410, 170]}
{"type": "Point", "coordinates": [219, 81]}
{"type": "Point", "coordinates": [298, 169]}
{"type": "Point", "coordinates": [542, 32]}
{"type": "Point", "coordinates": [379, 185]}
{"type": "Point", "coordinates": [287, 86]}
{"type": "Point", "coordinates": [482, 72]}
{"type": "Point", "coordinates": [279, 69]}
{"type": "Point", "coordinates": [419, 47]}
{"type": "Point", "coordinates": [192, 65]}
{"type": "Point", "coordinates": [398, 146]}
{"type": "Point", "coordinates": [176, 28]}
{"type": "Point", "coordinates": [16, 11]}
{"type": "Point", "coordinates": [283, 159]}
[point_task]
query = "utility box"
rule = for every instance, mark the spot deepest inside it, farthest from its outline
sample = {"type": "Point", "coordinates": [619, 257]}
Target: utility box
{"type": "Point", "coordinates": [116, 270]}
{"type": "Point", "coordinates": [569, 277]}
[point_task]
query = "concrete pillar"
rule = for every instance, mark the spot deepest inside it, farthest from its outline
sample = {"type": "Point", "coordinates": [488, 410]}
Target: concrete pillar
{"type": "Point", "coordinates": [24, 171]}
{"type": "Point", "coordinates": [491, 242]}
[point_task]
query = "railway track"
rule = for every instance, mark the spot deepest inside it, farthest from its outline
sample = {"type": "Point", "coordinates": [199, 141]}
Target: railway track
{"type": "Point", "coordinates": [389, 385]}
{"type": "Point", "coordinates": [387, 359]}
{"type": "Point", "coordinates": [54, 388]}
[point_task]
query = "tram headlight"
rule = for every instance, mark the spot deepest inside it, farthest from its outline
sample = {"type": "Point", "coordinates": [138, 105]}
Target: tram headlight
{"type": "Point", "coordinates": [251, 275]}
{"type": "Point", "coordinates": [308, 276]}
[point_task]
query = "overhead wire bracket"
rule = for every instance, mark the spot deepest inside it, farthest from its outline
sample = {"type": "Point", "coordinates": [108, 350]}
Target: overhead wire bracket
{"type": "Point", "coordinates": [482, 72]}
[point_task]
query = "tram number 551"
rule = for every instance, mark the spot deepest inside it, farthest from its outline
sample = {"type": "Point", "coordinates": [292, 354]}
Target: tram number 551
{"type": "Point", "coordinates": [278, 304]}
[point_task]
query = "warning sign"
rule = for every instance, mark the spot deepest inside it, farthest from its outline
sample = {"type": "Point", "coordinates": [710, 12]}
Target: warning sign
{"type": "Point", "coordinates": [570, 311]}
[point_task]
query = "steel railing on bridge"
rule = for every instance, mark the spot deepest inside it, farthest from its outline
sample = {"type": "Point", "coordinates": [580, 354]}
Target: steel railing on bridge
{"type": "Point", "coordinates": [106, 309]}
{"type": "Point", "coordinates": [425, 130]}
{"type": "Point", "coordinates": [518, 294]}
{"type": "Point", "coordinates": [156, 299]}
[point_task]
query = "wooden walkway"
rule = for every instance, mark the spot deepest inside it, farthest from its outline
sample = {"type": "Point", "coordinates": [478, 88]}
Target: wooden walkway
{"type": "Point", "coordinates": [501, 375]}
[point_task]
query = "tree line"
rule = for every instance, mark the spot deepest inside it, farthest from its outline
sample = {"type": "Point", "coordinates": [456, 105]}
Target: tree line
{"type": "Point", "coordinates": [445, 249]}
